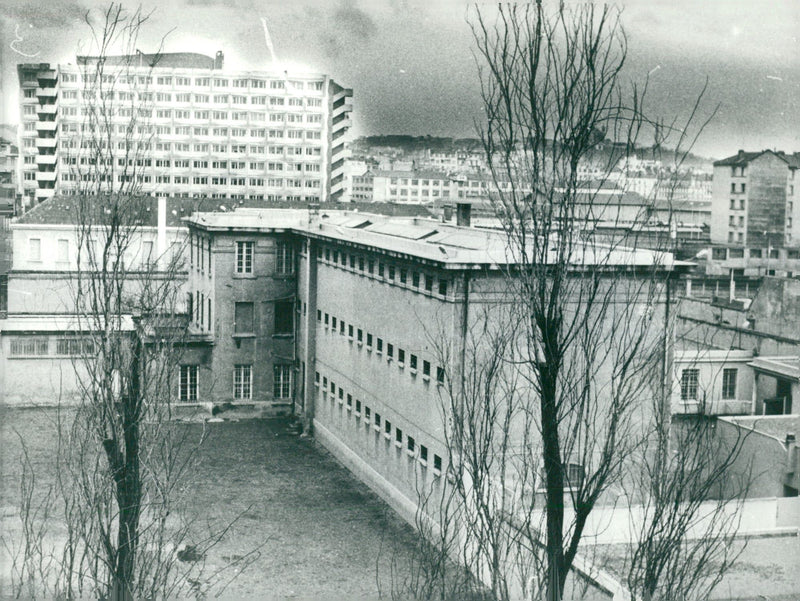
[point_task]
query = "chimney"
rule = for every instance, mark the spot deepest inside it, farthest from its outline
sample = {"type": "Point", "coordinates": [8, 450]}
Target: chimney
{"type": "Point", "coordinates": [463, 214]}
{"type": "Point", "coordinates": [161, 240]}
{"type": "Point", "coordinates": [741, 153]}
{"type": "Point", "coordinates": [219, 59]}
{"type": "Point", "coordinates": [790, 439]}
{"type": "Point", "coordinates": [447, 213]}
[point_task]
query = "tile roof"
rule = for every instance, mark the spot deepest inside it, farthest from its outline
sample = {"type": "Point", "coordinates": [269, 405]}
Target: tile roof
{"type": "Point", "coordinates": [62, 209]}
{"type": "Point", "coordinates": [742, 158]}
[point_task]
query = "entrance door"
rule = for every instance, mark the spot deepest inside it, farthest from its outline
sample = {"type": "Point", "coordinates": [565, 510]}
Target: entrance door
{"type": "Point", "coordinates": [783, 389]}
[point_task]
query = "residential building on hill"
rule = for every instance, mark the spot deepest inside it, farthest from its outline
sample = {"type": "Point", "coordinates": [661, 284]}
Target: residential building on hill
{"type": "Point", "coordinates": [755, 201]}
{"type": "Point", "coordinates": [206, 131]}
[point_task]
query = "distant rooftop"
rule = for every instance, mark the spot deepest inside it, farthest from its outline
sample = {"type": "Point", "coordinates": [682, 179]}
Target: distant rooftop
{"type": "Point", "coordinates": [63, 209]}
{"type": "Point", "coordinates": [743, 158]}
{"type": "Point", "coordinates": [184, 60]}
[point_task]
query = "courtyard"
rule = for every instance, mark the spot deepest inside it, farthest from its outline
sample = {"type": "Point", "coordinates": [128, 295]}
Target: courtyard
{"type": "Point", "coordinates": [320, 534]}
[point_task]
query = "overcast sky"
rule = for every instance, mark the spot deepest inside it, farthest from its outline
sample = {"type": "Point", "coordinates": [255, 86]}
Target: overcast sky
{"type": "Point", "coordinates": [411, 66]}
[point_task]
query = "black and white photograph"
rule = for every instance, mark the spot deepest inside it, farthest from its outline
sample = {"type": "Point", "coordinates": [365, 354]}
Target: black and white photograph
{"type": "Point", "coordinates": [405, 300]}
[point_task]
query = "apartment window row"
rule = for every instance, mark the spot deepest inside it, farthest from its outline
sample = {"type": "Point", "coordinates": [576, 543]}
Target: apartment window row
{"type": "Point", "coordinates": [721, 254]}
{"type": "Point", "coordinates": [245, 253]}
{"type": "Point", "coordinates": [39, 346]}
{"type": "Point", "coordinates": [364, 415]}
{"type": "Point", "coordinates": [690, 383]}
{"type": "Point", "coordinates": [385, 271]}
{"type": "Point", "coordinates": [380, 346]}
{"type": "Point", "coordinates": [741, 189]}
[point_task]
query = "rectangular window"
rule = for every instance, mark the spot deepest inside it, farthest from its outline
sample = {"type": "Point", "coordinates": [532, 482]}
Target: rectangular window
{"type": "Point", "coordinates": [358, 407]}
{"type": "Point", "coordinates": [369, 341]}
{"type": "Point", "coordinates": [187, 384]}
{"type": "Point", "coordinates": [443, 287]}
{"type": "Point", "coordinates": [398, 437]}
{"type": "Point", "coordinates": [437, 463]}
{"type": "Point", "coordinates": [284, 317]}
{"type": "Point", "coordinates": [34, 346]}
{"type": "Point", "coordinates": [689, 379]}
{"type": "Point", "coordinates": [389, 350]}
{"type": "Point", "coordinates": [242, 382]}
{"type": "Point", "coordinates": [243, 318]}
{"type": "Point", "coordinates": [387, 428]}
{"type": "Point", "coordinates": [428, 283]}
{"type": "Point", "coordinates": [426, 369]}
{"type": "Point", "coordinates": [411, 445]}
{"type": "Point", "coordinates": [379, 345]}
{"type": "Point", "coordinates": [35, 249]}
{"type": "Point", "coordinates": [63, 251]}
{"type": "Point", "coordinates": [729, 383]}
{"type": "Point", "coordinates": [401, 356]}
{"type": "Point", "coordinates": [377, 421]}
{"type": "Point", "coordinates": [360, 336]}
{"type": "Point", "coordinates": [284, 258]}
{"type": "Point", "coordinates": [282, 381]}
{"type": "Point", "coordinates": [413, 362]}
{"type": "Point", "coordinates": [423, 454]}
{"type": "Point", "coordinates": [244, 257]}
{"type": "Point", "coordinates": [440, 375]}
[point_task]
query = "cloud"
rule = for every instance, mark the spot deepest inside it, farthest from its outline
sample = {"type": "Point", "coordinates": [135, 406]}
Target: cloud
{"type": "Point", "coordinates": [351, 20]}
{"type": "Point", "coordinates": [42, 15]}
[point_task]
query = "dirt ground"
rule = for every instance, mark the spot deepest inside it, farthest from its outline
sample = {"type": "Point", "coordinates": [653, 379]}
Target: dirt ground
{"type": "Point", "coordinates": [321, 534]}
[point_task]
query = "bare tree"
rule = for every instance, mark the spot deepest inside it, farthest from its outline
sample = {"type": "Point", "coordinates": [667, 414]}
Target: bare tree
{"type": "Point", "coordinates": [546, 412]}
{"type": "Point", "coordinates": [122, 462]}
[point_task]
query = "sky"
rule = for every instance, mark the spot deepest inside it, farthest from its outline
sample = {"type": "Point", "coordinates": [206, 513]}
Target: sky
{"type": "Point", "coordinates": [411, 63]}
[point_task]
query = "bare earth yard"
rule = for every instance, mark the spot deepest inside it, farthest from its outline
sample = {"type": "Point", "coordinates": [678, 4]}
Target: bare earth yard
{"type": "Point", "coordinates": [324, 534]}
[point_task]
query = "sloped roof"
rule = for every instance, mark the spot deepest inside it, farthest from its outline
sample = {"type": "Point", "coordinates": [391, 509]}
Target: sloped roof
{"type": "Point", "coordinates": [742, 158]}
{"type": "Point", "coordinates": [63, 209]}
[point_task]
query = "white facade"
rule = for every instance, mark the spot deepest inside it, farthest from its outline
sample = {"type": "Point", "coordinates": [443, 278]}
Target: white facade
{"type": "Point", "coordinates": [206, 131]}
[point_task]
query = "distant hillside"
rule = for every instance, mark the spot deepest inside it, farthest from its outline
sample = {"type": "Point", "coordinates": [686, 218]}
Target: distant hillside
{"type": "Point", "coordinates": [412, 144]}
{"type": "Point", "coordinates": [415, 144]}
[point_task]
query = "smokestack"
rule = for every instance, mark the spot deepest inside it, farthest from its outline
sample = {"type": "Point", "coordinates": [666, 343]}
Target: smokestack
{"type": "Point", "coordinates": [464, 214]}
{"type": "Point", "coordinates": [161, 240]}
{"type": "Point", "coordinates": [447, 213]}
{"type": "Point", "coordinates": [219, 59]}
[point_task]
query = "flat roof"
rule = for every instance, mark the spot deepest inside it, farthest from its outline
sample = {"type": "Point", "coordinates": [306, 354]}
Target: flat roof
{"type": "Point", "coordinates": [448, 245]}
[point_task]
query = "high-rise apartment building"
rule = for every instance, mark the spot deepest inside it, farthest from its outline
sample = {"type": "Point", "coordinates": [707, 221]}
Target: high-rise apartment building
{"type": "Point", "coordinates": [206, 131]}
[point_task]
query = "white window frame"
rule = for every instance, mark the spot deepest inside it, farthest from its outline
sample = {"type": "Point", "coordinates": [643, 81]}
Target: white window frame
{"type": "Point", "coordinates": [245, 251]}
{"type": "Point", "coordinates": [188, 383]}
{"type": "Point", "coordinates": [282, 382]}
{"type": "Point", "coordinates": [242, 382]}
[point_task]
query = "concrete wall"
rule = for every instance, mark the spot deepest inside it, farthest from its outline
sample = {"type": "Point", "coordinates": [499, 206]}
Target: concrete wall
{"type": "Point", "coordinates": [711, 364]}
{"type": "Point", "coordinates": [766, 201]}
{"type": "Point", "coordinates": [763, 458]}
